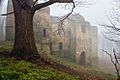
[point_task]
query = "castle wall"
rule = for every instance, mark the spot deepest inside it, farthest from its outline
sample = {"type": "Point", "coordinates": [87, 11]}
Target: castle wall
{"type": "Point", "coordinates": [41, 22]}
{"type": "Point", "coordinates": [10, 23]}
{"type": "Point", "coordinates": [79, 37]}
{"type": "Point", "coordinates": [94, 44]}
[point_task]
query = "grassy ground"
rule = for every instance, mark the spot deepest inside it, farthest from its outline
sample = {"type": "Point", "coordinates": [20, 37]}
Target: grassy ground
{"type": "Point", "coordinates": [5, 46]}
{"type": "Point", "coordinates": [84, 69]}
{"type": "Point", "coordinates": [10, 69]}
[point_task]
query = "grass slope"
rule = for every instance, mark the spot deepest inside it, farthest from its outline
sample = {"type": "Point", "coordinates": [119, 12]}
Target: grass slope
{"type": "Point", "coordinates": [84, 70]}
{"type": "Point", "coordinates": [10, 69]}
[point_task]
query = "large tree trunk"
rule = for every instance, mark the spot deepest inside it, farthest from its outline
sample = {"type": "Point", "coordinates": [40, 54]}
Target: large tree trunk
{"type": "Point", "coordinates": [118, 78]}
{"type": "Point", "coordinates": [24, 41]}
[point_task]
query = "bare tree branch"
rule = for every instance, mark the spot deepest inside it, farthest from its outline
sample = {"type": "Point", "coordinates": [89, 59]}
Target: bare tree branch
{"type": "Point", "coordinates": [109, 56]}
{"type": "Point", "coordinates": [7, 14]}
{"type": "Point", "coordinates": [111, 39]}
{"type": "Point", "coordinates": [50, 2]}
{"type": "Point", "coordinates": [61, 22]}
{"type": "Point", "coordinates": [115, 56]}
{"type": "Point", "coordinates": [112, 27]}
{"type": "Point", "coordinates": [35, 2]}
{"type": "Point", "coordinates": [114, 62]}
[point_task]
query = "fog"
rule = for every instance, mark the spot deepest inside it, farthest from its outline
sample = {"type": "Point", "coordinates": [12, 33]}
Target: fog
{"type": "Point", "coordinates": [96, 13]}
{"type": "Point", "coordinates": [82, 38]}
{"type": "Point", "coordinates": [3, 10]}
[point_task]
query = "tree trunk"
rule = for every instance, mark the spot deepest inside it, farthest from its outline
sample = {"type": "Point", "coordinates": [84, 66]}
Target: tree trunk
{"type": "Point", "coordinates": [24, 41]}
{"type": "Point", "coordinates": [50, 46]}
{"type": "Point", "coordinates": [118, 78]}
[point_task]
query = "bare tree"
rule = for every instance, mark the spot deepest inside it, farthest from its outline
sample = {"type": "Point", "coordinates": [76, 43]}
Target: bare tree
{"type": "Point", "coordinates": [115, 61]}
{"type": "Point", "coordinates": [113, 34]}
{"type": "Point", "coordinates": [113, 27]}
{"type": "Point", "coordinates": [24, 11]}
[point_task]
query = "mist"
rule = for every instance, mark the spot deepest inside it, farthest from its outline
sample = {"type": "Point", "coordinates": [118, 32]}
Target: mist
{"type": "Point", "coordinates": [82, 40]}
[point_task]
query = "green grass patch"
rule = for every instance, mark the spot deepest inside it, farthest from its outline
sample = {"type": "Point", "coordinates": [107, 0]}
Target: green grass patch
{"type": "Point", "coordinates": [97, 71]}
{"type": "Point", "coordinates": [85, 69]}
{"type": "Point", "coordinates": [10, 69]}
{"type": "Point", "coordinates": [5, 46]}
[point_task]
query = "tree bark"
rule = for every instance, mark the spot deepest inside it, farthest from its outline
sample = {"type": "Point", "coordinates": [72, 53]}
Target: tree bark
{"type": "Point", "coordinates": [24, 41]}
{"type": "Point", "coordinates": [118, 78]}
{"type": "Point", "coordinates": [24, 10]}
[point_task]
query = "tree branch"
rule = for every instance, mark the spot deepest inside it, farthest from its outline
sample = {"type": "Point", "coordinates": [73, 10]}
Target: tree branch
{"type": "Point", "coordinates": [50, 2]}
{"type": "Point", "coordinates": [110, 39]}
{"type": "Point", "coordinates": [35, 2]}
{"type": "Point", "coordinates": [60, 25]}
{"type": "Point", "coordinates": [114, 62]}
{"type": "Point", "coordinates": [7, 14]}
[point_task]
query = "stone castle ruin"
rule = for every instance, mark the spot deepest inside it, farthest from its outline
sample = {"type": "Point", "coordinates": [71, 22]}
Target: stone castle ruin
{"type": "Point", "coordinates": [79, 39]}
{"type": "Point", "coordinates": [77, 42]}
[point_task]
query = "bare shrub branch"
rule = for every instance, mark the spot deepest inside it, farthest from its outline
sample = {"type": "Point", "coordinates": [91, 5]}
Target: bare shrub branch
{"type": "Point", "coordinates": [114, 61]}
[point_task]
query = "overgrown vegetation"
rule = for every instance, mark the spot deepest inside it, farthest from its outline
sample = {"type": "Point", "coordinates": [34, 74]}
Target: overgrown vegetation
{"type": "Point", "coordinates": [10, 69]}
{"type": "Point", "coordinates": [93, 70]}
{"type": "Point", "coordinates": [86, 69]}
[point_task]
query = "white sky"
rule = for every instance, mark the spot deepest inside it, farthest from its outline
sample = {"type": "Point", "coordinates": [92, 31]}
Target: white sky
{"type": "Point", "coordinates": [95, 13]}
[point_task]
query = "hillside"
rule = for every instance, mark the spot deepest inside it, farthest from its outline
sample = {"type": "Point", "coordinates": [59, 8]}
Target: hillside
{"type": "Point", "coordinates": [47, 68]}
{"type": "Point", "coordinates": [10, 69]}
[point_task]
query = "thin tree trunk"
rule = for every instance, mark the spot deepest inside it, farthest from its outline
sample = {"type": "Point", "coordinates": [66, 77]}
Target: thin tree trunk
{"type": "Point", "coordinates": [24, 42]}
{"type": "Point", "coordinates": [50, 46]}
